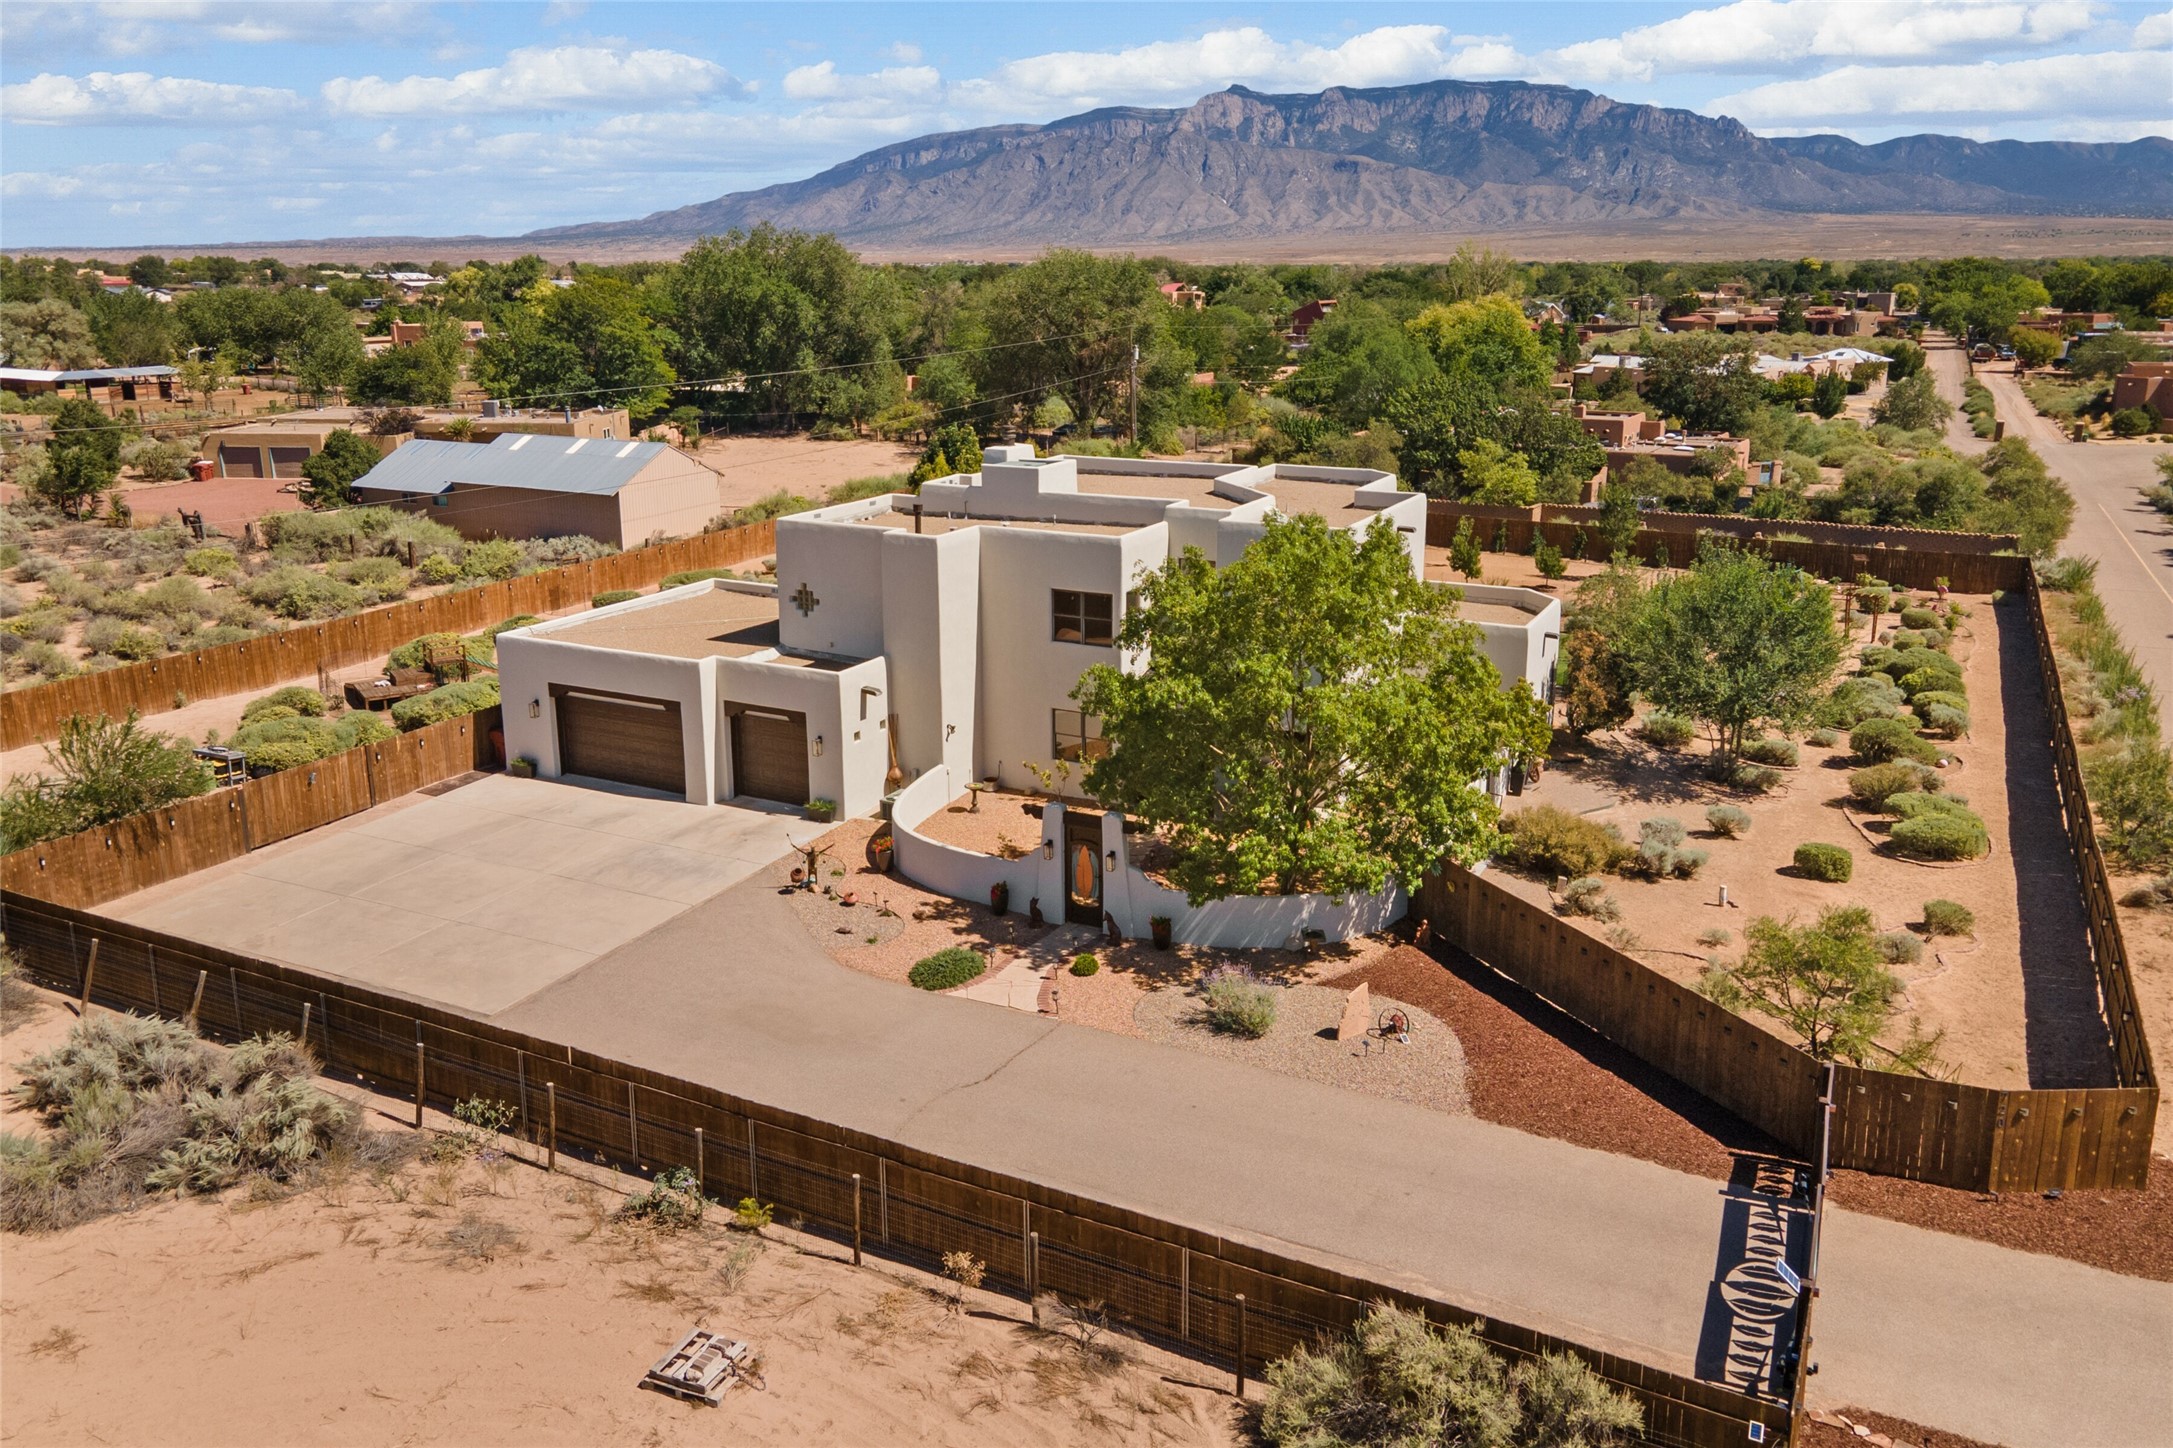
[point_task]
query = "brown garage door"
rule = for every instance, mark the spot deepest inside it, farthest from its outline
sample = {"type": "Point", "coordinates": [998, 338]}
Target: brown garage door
{"type": "Point", "coordinates": [619, 737]}
{"type": "Point", "coordinates": [240, 462]}
{"type": "Point", "coordinates": [769, 754]}
{"type": "Point", "coordinates": [287, 461]}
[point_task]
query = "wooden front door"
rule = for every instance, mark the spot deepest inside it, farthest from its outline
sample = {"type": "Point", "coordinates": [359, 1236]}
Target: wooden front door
{"type": "Point", "coordinates": [1083, 868]}
{"type": "Point", "coordinates": [769, 754]}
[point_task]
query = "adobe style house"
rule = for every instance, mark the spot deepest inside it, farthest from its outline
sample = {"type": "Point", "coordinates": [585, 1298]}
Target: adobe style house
{"type": "Point", "coordinates": [1628, 436]}
{"type": "Point", "coordinates": [522, 485]}
{"type": "Point", "coordinates": [1182, 295]}
{"type": "Point", "coordinates": [2145, 384]}
{"type": "Point", "coordinates": [906, 634]}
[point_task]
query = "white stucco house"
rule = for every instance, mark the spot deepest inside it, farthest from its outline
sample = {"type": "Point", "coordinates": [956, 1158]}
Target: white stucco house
{"type": "Point", "coordinates": [939, 635]}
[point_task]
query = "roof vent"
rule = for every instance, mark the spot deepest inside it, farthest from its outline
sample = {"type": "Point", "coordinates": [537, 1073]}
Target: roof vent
{"type": "Point", "coordinates": [578, 444]}
{"type": "Point", "coordinates": [622, 452]}
{"type": "Point", "coordinates": [520, 442]}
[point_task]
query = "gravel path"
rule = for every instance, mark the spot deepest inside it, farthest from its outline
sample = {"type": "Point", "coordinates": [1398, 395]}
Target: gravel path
{"type": "Point", "coordinates": [1427, 1072]}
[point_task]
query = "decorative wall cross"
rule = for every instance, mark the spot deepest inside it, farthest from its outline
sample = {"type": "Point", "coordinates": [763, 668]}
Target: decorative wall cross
{"type": "Point", "coordinates": [805, 600]}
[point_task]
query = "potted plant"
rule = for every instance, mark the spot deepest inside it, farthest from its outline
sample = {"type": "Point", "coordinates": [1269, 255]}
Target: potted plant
{"type": "Point", "coordinates": [882, 849]}
{"type": "Point", "coordinates": [822, 811]}
{"type": "Point", "coordinates": [521, 767]}
{"type": "Point", "coordinates": [1159, 926]}
{"type": "Point", "coordinates": [999, 897]}
{"type": "Point", "coordinates": [1941, 585]}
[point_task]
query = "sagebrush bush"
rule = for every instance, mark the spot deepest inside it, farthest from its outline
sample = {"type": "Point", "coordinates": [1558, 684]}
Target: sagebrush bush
{"type": "Point", "coordinates": [1549, 840]}
{"type": "Point", "coordinates": [1742, 774]}
{"type": "Point", "coordinates": [1934, 698]}
{"type": "Point", "coordinates": [298, 697]}
{"type": "Point", "coordinates": [1873, 787]}
{"type": "Point", "coordinates": [1661, 854]}
{"type": "Point", "coordinates": [1831, 863]}
{"type": "Point", "coordinates": [1946, 722]}
{"type": "Point", "coordinates": [1235, 1003]}
{"type": "Point", "coordinates": [947, 969]}
{"type": "Point", "coordinates": [693, 575]}
{"type": "Point", "coordinates": [495, 559]}
{"type": "Point", "coordinates": [437, 568]}
{"type": "Point", "coordinates": [219, 563]}
{"type": "Point", "coordinates": [1879, 741]}
{"type": "Point", "coordinates": [1925, 681]}
{"type": "Point", "coordinates": [1919, 618]}
{"type": "Point", "coordinates": [179, 598]}
{"type": "Point", "coordinates": [1822, 738]}
{"type": "Point", "coordinates": [1912, 804]}
{"type": "Point", "coordinates": [1727, 820]}
{"type": "Point", "coordinates": [296, 592]}
{"type": "Point", "coordinates": [278, 738]}
{"type": "Point", "coordinates": [1780, 752]}
{"type": "Point", "coordinates": [448, 701]}
{"type": "Point", "coordinates": [1663, 730]}
{"type": "Point", "coordinates": [1899, 947]}
{"type": "Point", "coordinates": [122, 640]}
{"type": "Point", "coordinates": [1945, 917]}
{"type": "Point", "coordinates": [1959, 836]}
{"type": "Point", "coordinates": [673, 1201]}
{"type": "Point", "coordinates": [1588, 897]}
{"type": "Point", "coordinates": [1853, 700]}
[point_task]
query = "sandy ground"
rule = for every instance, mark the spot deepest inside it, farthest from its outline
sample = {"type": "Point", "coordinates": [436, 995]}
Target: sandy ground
{"type": "Point", "coordinates": [480, 1307]}
{"type": "Point", "coordinates": [1973, 989]}
{"type": "Point", "coordinates": [748, 468]}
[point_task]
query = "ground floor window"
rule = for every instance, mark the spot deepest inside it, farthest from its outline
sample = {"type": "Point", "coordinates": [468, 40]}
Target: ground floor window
{"type": "Point", "coordinates": [1077, 736]}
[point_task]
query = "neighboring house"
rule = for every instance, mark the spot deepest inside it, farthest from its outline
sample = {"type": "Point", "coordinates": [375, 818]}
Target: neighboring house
{"type": "Point", "coordinates": [99, 384]}
{"type": "Point", "coordinates": [521, 485]}
{"type": "Point", "coordinates": [1180, 295]}
{"type": "Point", "coordinates": [2145, 384]}
{"type": "Point", "coordinates": [1628, 436]}
{"type": "Point", "coordinates": [1839, 322]}
{"type": "Point", "coordinates": [1604, 365]}
{"type": "Point", "coordinates": [1843, 360]}
{"type": "Point", "coordinates": [277, 446]}
{"type": "Point", "coordinates": [944, 630]}
{"type": "Point", "coordinates": [1303, 320]}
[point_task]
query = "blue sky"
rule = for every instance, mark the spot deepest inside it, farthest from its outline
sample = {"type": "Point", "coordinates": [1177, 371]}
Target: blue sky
{"type": "Point", "coordinates": [198, 121]}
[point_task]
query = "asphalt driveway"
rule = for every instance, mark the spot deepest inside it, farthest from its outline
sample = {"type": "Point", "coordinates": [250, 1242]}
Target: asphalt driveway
{"type": "Point", "coordinates": [476, 898]}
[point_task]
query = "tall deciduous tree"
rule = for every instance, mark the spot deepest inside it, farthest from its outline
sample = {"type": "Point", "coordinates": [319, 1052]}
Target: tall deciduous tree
{"type": "Point", "coordinates": [1489, 339]}
{"type": "Point", "coordinates": [1736, 642]}
{"type": "Point", "coordinates": [1067, 324]}
{"type": "Point", "coordinates": [1310, 717]}
{"type": "Point", "coordinates": [1914, 405]}
{"type": "Point", "coordinates": [1708, 380]}
{"type": "Point", "coordinates": [47, 333]}
{"type": "Point", "coordinates": [587, 345]}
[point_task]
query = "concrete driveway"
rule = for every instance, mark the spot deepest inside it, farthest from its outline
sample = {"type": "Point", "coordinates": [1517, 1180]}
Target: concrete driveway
{"type": "Point", "coordinates": [476, 898]}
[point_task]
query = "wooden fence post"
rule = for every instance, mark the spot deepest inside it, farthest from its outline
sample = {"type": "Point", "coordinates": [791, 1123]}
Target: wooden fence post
{"type": "Point", "coordinates": [1033, 1267]}
{"type": "Point", "coordinates": [856, 1219]}
{"type": "Point", "coordinates": [882, 1198]}
{"type": "Point", "coordinates": [1026, 1246]}
{"type": "Point", "coordinates": [633, 1131]}
{"type": "Point", "coordinates": [90, 968]}
{"type": "Point", "coordinates": [303, 1039]}
{"type": "Point", "coordinates": [150, 965]}
{"type": "Point", "coordinates": [753, 1190]}
{"type": "Point", "coordinates": [418, 1085]}
{"type": "Point", "coordinates": [1241, 1344]}
{"type": "Point", "coordinates": [196, 1002]}
{"type": "Point", "coordinates": [1184, 1294]}
{"type": "Point", "coordinates": [550, 1161]}
{"type": "Point", "coordinates": [701, 1165]}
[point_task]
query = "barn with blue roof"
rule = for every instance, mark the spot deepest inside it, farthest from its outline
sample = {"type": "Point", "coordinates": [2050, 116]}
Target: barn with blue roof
{"type": "Point", "coordinates": [526, 485]}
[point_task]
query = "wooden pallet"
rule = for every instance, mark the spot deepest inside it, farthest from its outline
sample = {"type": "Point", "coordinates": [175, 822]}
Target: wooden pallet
{"type": "Point", "coordinates": [700, 1368]}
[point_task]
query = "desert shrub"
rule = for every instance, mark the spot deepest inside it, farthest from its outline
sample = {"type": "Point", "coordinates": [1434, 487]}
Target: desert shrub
{"type": "Point", "coordinates": [1770, 751]}
{"type": "Point", "coordinates": [519, 620]}
{"type": "Point", "coordinates": [2134, 422]}
{"type": "Point", "coordinates": [448, 701]}
{"type": "Point", "coordinates": [1742, 774]}
{"type": "Point", "coordinates": [1912, 804]}
{"type": "Point", "coordinates": [947, 968]}
{"type": "Point", "coordinates": [1235, 1003]}
{"type": "Point", "coordinates": [1879, 741]}
{"type": "Point", "coordinates": [1831, 863]}
{"type": "Point", "coordinates": [1398, 1380]}
{"type": "Point", "coordinates": [1919, 618]}
{"type": "Point", "coordinates": [567, 549]}
{"type": "Point", "coordinates": [1945, 917]}
{"type": "Point", "coordinates": [179, 598]}
{"type": "Point", "coordinates": [1873, 787]}
{"type": "Point", "coordinates": [1822, 738]}
{"type": "Point", "coordinates": [1084, 964]}
{"type": "Point", "coordinates": [493, 558]}
{"type": "Point", "coordinates": [158, 462]}
{"type": "Point", "coordinates": [1548, 840]}
{"type": "Point", "coordinates": [1919, 638]}
{"type": "Point", "coordinates": [1727, 820]}
{"type": "Point", "coordinates": [1588, 897]}
{"type": "Point", "coordinates": [1905, 662]}
{"type": "Point", "coordinates": [278, 738]}
{"type": "Point", "coordinates": [693, 575]}
{"type": "Point", "coordinates": [299, 698]}
{"type": "Point", "coordinates": [1660, 852]}
{"type": "Point", "coordinates": [1942, 836]}
{"type": "Point", "coordinates": [383, 577]}
{"type": "Point", "coordinates": [46, 661]}
{"type": "Point", "coordinates": [672, 1202]}
{"type": "Point", "coordinates": [613, 595]}
{"type": "Point", "coordinates": [1665, 731]}
{"type": "Point", "coordinates": [2150, 895]}
{"type": "Point", "coordinates": [1899, 947]}
{"type": "Point", "coordinates": [1946, 721]}
{"type": "Point", "coordinates": [437, 568]}
{"type": "Point", "coordinates": [2067, 575]}
{"type": "Point", "coordinates": [1931, 698]}
{"type": "Point", "coordinates": [211, 563]}
{"type": "Point", "coordinates": [296, 592]}
{"type": "Point", "coordinates": [122, 640]}
{"type": "Point", "coordinates": [1855, 699]}
{"type": "Point", "coordinates": [1925, 681]}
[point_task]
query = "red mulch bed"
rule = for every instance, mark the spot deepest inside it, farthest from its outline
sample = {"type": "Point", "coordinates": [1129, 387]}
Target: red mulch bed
{"type": "Point", "coordinates": [1900, 1430]}
{"type": "Point", "coordinates": [1536, 1069]}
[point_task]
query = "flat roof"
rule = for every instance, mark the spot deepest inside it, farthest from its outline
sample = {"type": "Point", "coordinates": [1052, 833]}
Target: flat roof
{"type": "Point", "coordinates": [717, 622]}
{"type": "Point", "coordinates": [1198, 492]}
{"type": "Point", "coordinates": [1331, 501]}
{"type": "Point", "coordinates": [1471, 610]}
{"type": "Point", "coordinates": [943, 523]}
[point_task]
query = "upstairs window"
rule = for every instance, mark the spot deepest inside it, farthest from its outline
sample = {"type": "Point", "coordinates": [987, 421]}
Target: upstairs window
{"type": "Point", "coordinates": [1084, 618]}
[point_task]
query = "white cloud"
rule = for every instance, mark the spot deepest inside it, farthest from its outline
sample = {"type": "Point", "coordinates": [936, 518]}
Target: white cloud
{"type": "Point", "coordinates": [106, 98]}
{"type": "Point", "coordinates": [564, 12]}
{"type": "Point", "coordinates": [905, 52]}
{"type": "Point", "coordinates": [823, 82]}
{"type": "Point", "coordinates": [38, 183]}
{"type": "Point", "coordinates": [541, 78]}
{"type": "Point", "coordinates": [2052, 88]}
{"type": "Point", "coordinates": [33, 28]}
{"type": "Point", "coordinates": [1766, 36]}
{"type": "Point", "coordinates": [2155, 32]}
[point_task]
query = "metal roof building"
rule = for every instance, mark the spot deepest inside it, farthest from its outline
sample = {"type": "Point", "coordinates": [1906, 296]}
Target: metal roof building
{"type": "Point", "coordinates": [527, 485]}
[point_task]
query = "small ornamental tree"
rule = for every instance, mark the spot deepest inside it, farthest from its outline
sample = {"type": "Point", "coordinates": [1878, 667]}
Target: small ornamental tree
{"type": "Point", "coordinates": [1618, 518]}
{"type": "Point", "coordinates": [1825, 981]}
{"type": "Point", "coordinates": [1464, 550]}
{"type": "Point", "coordinates": [104, 770]}
{"type": "Point", "coordinates": [1829, 394]}
{"type": "Point", "coordinates": [332, 473]}
{"type": "Point", "coordinates": [83, 457]}
{"type": "Point", "coordinates": [1309, 718]}
{"type": "Point", "coordinates": [1737, 643]}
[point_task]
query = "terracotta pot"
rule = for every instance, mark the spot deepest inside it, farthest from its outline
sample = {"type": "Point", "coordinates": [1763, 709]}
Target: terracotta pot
{"type": "Point", "coordinates": [849, 898]}
{"type": "Point", "coordinates": [798, 874]}
{"type": "Point", "coordinates": [1161, 930]}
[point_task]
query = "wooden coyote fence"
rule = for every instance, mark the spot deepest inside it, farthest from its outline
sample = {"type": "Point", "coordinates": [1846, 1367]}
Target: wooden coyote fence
{"type": "Point", "coordinates": [1911, 557]}
{"type": "Point", "coordinates": [147, 849]}
{"type": "Point", "coordinates": [1203, 1294]}
{"type": "Point", "coordinates": [150, 687]}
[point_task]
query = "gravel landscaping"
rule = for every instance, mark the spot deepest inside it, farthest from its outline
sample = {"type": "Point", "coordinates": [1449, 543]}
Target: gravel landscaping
{"type": "Point", "coordinates": [1429, 1071]}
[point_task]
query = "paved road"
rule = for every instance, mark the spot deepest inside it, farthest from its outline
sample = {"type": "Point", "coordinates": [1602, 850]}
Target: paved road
{"type": "Point", "coordinates": [1609, 1251]}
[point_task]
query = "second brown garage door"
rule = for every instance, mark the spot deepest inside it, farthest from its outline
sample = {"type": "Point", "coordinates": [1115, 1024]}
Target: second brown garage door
{"type": "Point", "coordinates": [769, 754]}
{"type": "Point", "coordinates": [620, 737]}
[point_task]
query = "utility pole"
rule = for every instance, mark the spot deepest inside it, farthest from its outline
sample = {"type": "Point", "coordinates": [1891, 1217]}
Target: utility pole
{"type": "Point", "coordinates": [1132, 393]}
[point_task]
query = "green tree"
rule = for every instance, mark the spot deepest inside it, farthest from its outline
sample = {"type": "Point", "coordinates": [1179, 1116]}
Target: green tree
{"type": "Point", "coordinates": [2034, 347]}
{"type": "Point", "coordinates": [1487, 338]}
{"type": "Point", "coordinates": [1708, 380]}
{"type": "Point", "coordinates": [1618, 520]}
{"type": "Point", "coordinates": [1450, 414]}
{"type": "Point", "coordinates": [2100, 358]}
{"type": "Point", "coordinates": [1493, 474]}
{"type": "Point", "coordinates": [1464, 551]}
{"type": "Point", "coordinates": [331, 474]}
{"type": "Point", "coordinates": [1823, 981]}
{"type": "Point", "coordinates": [2021, 496]}
{"type": "Point", "coordinates": [46, 333]}
{"type": "Point", "coordinates": [83, 457]}
{"type": "Point", "coordinates": [319, 347]}
{"type": "Point", "coordinates": [1067, 324]}
{"type": "Point", "coordinates": [424, 373]}
{"type": "Point", "coordinates": [587, 345]}
{"type": "Point", "coordinates": [102, 771]}
{"type": "Point", "coordinates": [1309, 717]}
{"type": "Point", "coordinates": [1736, 642]}
{"type": "Point", "coordinates": [1398, 1381]}
{"type": "Point", "coordinates": [150, 270]}
{"type": "Point", "coordinates": [1357, 359]}
{"type": "Point", "coordinates": [1829, 394]}
{"type": "Point", "coordinates": [1913, 405]}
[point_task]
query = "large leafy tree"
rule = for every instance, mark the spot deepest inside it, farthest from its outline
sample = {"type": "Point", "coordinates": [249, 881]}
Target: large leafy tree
{"type": "Point", "coordinates": [83, 457]}
{"type": "Point", "coordinates": [1356, 360]}
{"type": "Point", "coordinates": [586, 345]}
{"type": "Point", "coordinates": [45, 333]}
{"type": "Point", "coordinates": [132, 330]}
{"type": "Point", "coordinates": [421, 374]}
{"type": "Point", "coordinates": [331, 474]}
{"type": "Point", "coordinates": [1914, 405]}
{"type": "Point", "coordinates": [1310, 717]}
{"type": "Point", "coordinates": [1066, 325]}
{"type": "Point", "coordinates": [1450, 414]}
{"type": "Point", "coordinates": [1736, 642]}
{"type": "Point", "coordinates": [1488, 338]}
{"type": "Point", "coordinates": [1708, 380]}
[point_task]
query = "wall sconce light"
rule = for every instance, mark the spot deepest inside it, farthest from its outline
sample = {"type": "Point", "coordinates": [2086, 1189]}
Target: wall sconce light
{"type": "Point", "coordinates": [1048, 849]}
{"type": "Point", "coordinates": [535, 708]}
{"type": "Point", "coordinates": [1111, 859]}
{"type": "Point", "coordinates": [818, 746]}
